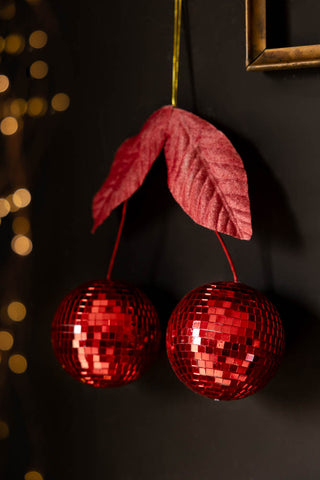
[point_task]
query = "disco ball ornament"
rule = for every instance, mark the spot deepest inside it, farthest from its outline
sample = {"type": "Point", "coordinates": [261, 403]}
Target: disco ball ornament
{"type": "Point", "coordinates": [105, 333]}
{"type": "Point", "coordinates": [225, 340]}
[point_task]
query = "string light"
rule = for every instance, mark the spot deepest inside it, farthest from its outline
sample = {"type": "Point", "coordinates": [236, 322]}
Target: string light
{"type": "Point", "coordinates": [4, 207]}
{"type": "Point", "coordinates": [21, 245]}
{"type": "Point", "coordinates": [16, 311]}
{"type": "Point", "coordinates": [37, 106]}
{"type": "Point", "coordinates": [14, 44]}
{"type": "Point", "coordinates": [8, 12]}
{"type": "Point", "coordinates": [6, 340]}
{"type": "Point", "coordinates": [39, 69]}
{"type": "Point", "coordinates": [38, 39]}
{"type": "Point", "coordinates": [4, 83]}
{"type": "Point", "coordinates": [33, 475]}
{"type": "Point", "coordinates": [21, 197]}
{"type": "Point", "coordinates": [13, 207]}
{"type": "Point", "coordinates": [9, 126]}
{"type": "Point", "coordinates": [60, 102]}
{"type": "Point", "coordinates": [18, 107]}
{"type": "Point", "coordinates": [17, 363]}
{"type": "Point", "coordinates": [21, 225]}
{"type": "Point", "coordinates": [4, 430]}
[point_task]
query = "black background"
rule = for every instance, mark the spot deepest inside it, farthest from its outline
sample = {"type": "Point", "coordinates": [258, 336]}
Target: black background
{"type": "Point", "coordinates": [119, 56]}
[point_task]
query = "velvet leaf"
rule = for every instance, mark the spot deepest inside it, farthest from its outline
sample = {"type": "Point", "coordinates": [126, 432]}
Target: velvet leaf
{"type": "Point", "coordinates": [132, 162]}
{"type": "Point", "coordinates": [205, 173]}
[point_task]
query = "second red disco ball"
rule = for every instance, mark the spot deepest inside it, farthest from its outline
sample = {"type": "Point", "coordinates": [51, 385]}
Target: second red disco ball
{"type": "Point", "coordinates": [225, 340]}
{"type": "Point", "coordinates": [105, 333]}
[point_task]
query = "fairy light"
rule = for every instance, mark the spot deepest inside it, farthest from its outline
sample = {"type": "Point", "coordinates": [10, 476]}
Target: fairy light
{"type": "Point", "coordinates": [8, 12]}
{"type": "Point", "coordinates": [16, 311]}
{"type": "Point", "coordinates": [38, 39]}
{"type": "Point", "coordinates": [21, 197]}
{"type": "Point", "coordinates": [39, 69]}
{"type": "Point", "coordinates": [18, 107]}
{"type": "Point", "coordinates": [33, 475]}
{"type": "Point", "coordinates": [17, 363]}
{"type": "Point", "coordinates": [60, 102]}
{"type": "Point", "coordinates": [37, 106]}
{"type": "Point", "coordinates": [9, 125]}
{"type": "Point", "coordinates": [21, 245]}
{"type": "Point", "coordinates": [13, 207]}
{"type": "Point", "coordinates": [11, 112]}
{"type": "Point", "coordinates": [21, 225]}
{"type": "Point", "coordinates": [4, 83]}
{"type": "Point", "coordinates": [14, 44]}
{"type": "Point", "coordinates": [6, 340]}
{"type": "Point", "coordinates": [4, 207]}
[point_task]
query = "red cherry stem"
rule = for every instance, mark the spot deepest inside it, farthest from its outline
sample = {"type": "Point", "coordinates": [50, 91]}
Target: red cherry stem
{"type": "Point", "coordinates": [116, 245]}
{"type": "Point", "coordinates": [234, 273]}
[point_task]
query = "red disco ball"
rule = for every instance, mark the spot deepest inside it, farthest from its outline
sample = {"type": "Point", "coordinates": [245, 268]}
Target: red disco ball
{"type": "Point", "coordinates": [225, 340]}
{"type": "Point", "coordinates": [105, 333]}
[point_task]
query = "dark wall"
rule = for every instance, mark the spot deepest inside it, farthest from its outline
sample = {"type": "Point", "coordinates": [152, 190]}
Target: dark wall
{"type": "Point", "coordinates": [156, 428]}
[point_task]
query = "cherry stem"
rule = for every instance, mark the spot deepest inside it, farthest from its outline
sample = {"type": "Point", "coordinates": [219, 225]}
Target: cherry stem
{"type": "Point", "coordinates": [116, 245]}
{"type": "Point", "coordinates": [234, 273]}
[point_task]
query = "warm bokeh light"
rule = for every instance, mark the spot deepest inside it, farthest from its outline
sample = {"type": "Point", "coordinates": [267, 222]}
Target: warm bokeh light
{"type": "Point", "coordinates": [33, 475]}
{"type": "Point", "coordinates": [6, 340]}
{"type": "Point", "coordinates": [8, 12]}
{"type": "Point", "coordinates": [21, 245]}
{"type": "Point", "coordinates": [16, 311]}
{"type": "Point", "coordinates": [39, 69]}
{"type": "Point", "coordinates": [60, 102]}
{"type": "Point", "coordinates": [21, 197]}
{"type": "Point", "coordinates": [34, 2]}
{"type": "Point", "coordinates": [21, 225]}
{"type": "Point", "coordinates": [37, 106]}
{"type": "Point", "coordinates": [4, 83]}
{"type": "Point", "coordinates": [4, 207]}
{"type": "Point", "coordinates": [38, 39]}
{"type": "Point", "coordinates": [13, 207]}
{"type": "Point", "coordinates": [14, 44]}
{"type": "Point", "coordinates": [4, 430]}
{"type": "Point", "coordinates": [9, 126]}
{"type": "Point", "coordinates": [18, 107]}
{"type": "Point", "coordinates": [17, 363]}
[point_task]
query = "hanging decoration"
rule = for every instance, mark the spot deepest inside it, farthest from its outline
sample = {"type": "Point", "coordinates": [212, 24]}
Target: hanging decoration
{"type": "Point", "coordinates": [105, 333]}
{"type": "Point", "coordinates": [224, 340]}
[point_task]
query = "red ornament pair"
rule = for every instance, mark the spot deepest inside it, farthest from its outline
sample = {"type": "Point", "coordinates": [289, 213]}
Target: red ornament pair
{"type": "Point", "coordinates": [224, 340]}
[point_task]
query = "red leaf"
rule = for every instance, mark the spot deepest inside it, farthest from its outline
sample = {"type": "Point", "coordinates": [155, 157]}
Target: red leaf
{"type": "Point", "coordinates": [206, 175]}
{"type": "Point", "coordinates": [131, 164]}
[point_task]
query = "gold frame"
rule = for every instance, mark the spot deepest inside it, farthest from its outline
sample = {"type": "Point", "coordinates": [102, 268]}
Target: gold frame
{"type": "Point", "coordinates": [259, 57]}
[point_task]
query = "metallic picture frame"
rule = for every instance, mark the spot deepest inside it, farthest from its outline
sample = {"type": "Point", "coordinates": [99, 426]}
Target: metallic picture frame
{"type": "Point", "coordinates": [259, 57]}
